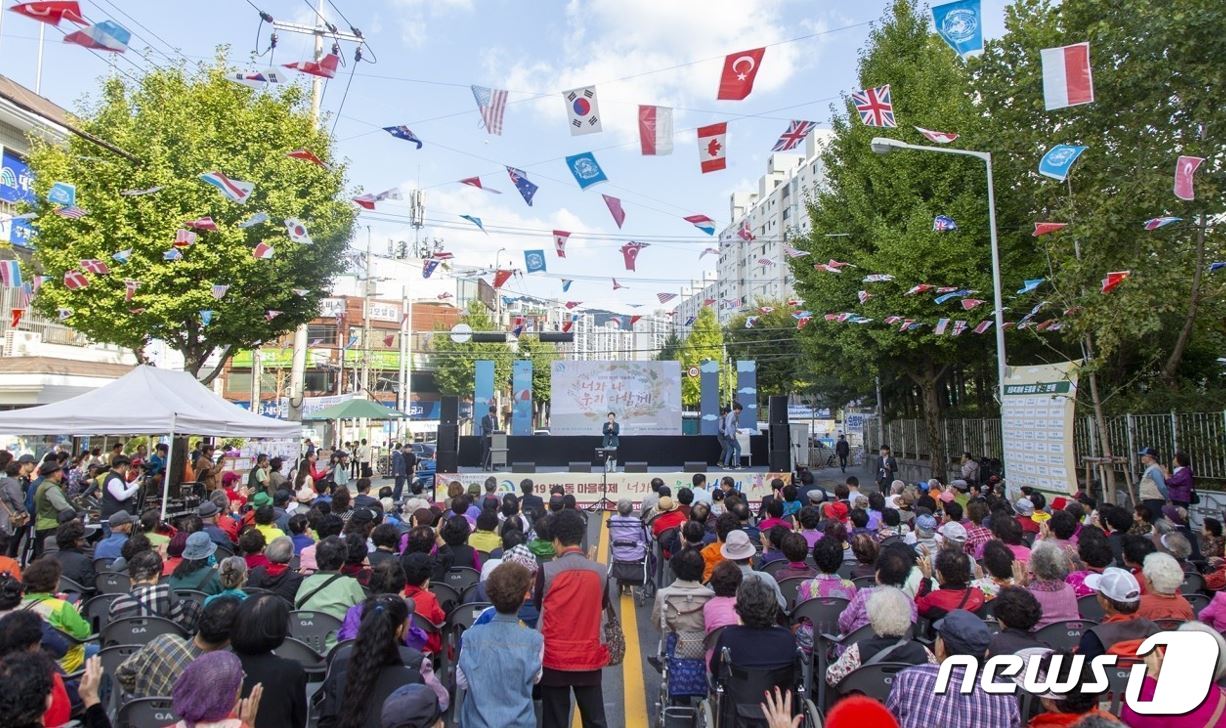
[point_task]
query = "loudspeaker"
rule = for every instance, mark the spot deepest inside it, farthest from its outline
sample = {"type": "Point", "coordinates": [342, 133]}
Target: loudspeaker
{"type": "Point", "coordinates": [636, 467]}
{"type": "Point", "coordinates": [449, 410]}
{"type": "Point", "coordinates": [523, 467]}
{"type": "Point", "coordinates": [580, 466]}
{"type": "Point", "coordinates": [695, 466]}
{"type": "Point", "coordinates": [779, 456]}
{"type": "Point", "coordinates": [778, 410]}
{"type": "Point", "coordinates": [447, 456]}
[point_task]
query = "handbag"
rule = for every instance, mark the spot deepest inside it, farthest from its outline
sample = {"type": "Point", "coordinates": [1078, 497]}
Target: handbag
{"type": "Point", "coordinates": [614, 638]}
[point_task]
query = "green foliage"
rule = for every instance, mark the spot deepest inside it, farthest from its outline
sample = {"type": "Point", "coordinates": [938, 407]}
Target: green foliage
{"type": "Point", "coordinates": [769, 344]}
{"type": "Point", "coordinates": [705, 343]}
{"type": "Point", "coordinates": [671, 348]}
{"type": "Point", "coordinates": [180, 123]}
{"type": "Point", "coordinates": [455, 364]}
{"type": "Point", "coordinates": [542, 355]}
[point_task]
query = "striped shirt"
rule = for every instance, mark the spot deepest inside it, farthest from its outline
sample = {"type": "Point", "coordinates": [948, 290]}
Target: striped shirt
{"type": "Point", "coordinates": [914, 701]}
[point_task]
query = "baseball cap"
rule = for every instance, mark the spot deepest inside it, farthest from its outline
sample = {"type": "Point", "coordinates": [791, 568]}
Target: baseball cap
{"type": "Point", "coordinates": [926, 524]}
{"type": "Point", "coordinates": [410, 706]}
{"type": "Point", "coordinates": [121, 518]}
{"type": "Point", "coordinates": [963, 633]}
{"type": "Point", "coordinates": [1024, 507]}
{"type": "Point", "coordinates": [27, 458]}
{"type": "Point", "coordinates": [737, 547]}
{"type": "Point", "coordinates": [1148, 451]}
{"type": "Point", "coordinates": [1115, 584]}
{"type": "Point", "coordinates": [49, 467]}
{"type": "Point", "coordinates": [954, 531]}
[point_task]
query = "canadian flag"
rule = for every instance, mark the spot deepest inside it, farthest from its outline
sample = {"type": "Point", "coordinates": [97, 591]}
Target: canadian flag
{"type": "Point", "coordinates": [656, 130]}
{"type": "Point", "coordinates": [712, 154]}
{"type": "Point", "coordinates": [1067, 80]}
{"type": "Point", "coordinates": [559, 242]}
{"type": "Point", "coordinates": [75, 279]}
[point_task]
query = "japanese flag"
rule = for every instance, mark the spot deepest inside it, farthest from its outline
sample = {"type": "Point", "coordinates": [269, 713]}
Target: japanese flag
{"type": "Point", "coordinates": [712, 155]}
{"type": "Point", "coordinates": [1067, 80]}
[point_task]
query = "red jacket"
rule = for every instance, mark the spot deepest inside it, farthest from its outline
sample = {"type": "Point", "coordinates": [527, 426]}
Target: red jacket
{"type": "Point", "coordinates": [571, 597]}
{"type": "Point", "coordinates": [942, 601]}
{"type": "Point", "coordinates": [666, 521]}
{"type": "Point", "coordinates": [426, 605]}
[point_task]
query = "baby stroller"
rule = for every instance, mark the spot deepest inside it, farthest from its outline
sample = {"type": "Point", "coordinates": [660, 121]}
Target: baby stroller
{"type": "Point", "coordinates": [632, 558]}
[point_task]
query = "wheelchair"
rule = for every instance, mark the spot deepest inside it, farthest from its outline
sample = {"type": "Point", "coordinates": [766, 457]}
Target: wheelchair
{"type": "Point", "coordinates": [738, 695]}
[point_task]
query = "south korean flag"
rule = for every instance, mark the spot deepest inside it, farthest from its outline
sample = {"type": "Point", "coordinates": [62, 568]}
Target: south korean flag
{"type": "Point", "coordinates": [583, 110]}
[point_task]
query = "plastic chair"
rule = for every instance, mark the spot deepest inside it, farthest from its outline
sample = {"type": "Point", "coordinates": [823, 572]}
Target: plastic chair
{"type": "Point", "coordinates": [103, 564]}
{"type": "Point", "coordinates": [864, 582]}
{"type": "Point", "coordinates": [1064, 635]}
{"type": "Point", "coordinates": [97, 610]}
{"type": "Point", "coordinates": [70, 587]}
{"type": "Point", "coordinates": [1198, 602]}
{"type": "Point", "coordinates": [312, 661]}
{"type": "Point", "coordinates": [191, 595]}
{"type": "Point", "coordinates": [112, 582]}
{"type": "Point", "coordinates": [822, 612]}
{"type": "Point", "coordinates": [138, 631]}
{"type": "Point", "coordinates": [875, 681]}
{"type": "Point", "coordinates": [313, 628]}
{"type": "Point", "coordinates": [448, 597]}
{"type": "Point", "coordinates": [1192, 584]}
{"type": "Point", "coordinates": [145, 712]}
{"type": "Point", "coordinates": [788, 588]}
{"type": "Point", "coordinates": [773, 567]}
{"type": "Point", "coordinates": [112, 658]}
{"type": "Point", "coordinates": [461, 577]}
{"type": "Point", "coordinates": [1089, 608]}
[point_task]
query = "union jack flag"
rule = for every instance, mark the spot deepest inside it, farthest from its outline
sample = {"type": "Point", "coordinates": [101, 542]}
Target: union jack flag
{"type": "Point", "coordinates": [875, 106]}
{"type": "Point", "coordinates": [793, 136]}
{"type": "Point", "coordinates": [492, 103]}
{"type": "Point", "coordinates": [666, 297]}
{"type": "Point", "coordinates": [93, 265]}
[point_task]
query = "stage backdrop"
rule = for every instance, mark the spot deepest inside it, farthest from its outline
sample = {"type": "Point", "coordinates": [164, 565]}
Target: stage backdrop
{"type": "Point", "coordinates": [645, 395]}
{"type": "Point", "coordinates": [587, 487]}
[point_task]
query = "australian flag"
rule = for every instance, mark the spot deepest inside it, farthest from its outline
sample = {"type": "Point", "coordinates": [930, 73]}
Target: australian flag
{"type": "Point", "coordinates": [526, 188]}
{"type": "Point", "coordinates": [942, 223]}
{"type": "Point", "coordinates": [403, 132]}
{"type": "Point", "coordinates": [428, 267]}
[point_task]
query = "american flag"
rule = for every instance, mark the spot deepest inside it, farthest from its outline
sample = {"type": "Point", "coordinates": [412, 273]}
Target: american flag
{"type": "Point", "coordinates": [793, 136]}
{"type": "Point", "coordinates": [875, 106]}
{"type": "Point", "coordinates": [791, 252]}
{"type": "Point", "coordinates": [184, 238]}
{"type": "Point", "coordinates": [492, 103]}
{"type": "Point", "coordinates": [666, 297]}
{"type": "Point", "coordinates": [73, 212]}
{"type": "Point", "coordinates": [25, 294]}
{"type": "Point", "coordinates": [765, 262]}
{"type": "Point", "coordinates": [93, 265]}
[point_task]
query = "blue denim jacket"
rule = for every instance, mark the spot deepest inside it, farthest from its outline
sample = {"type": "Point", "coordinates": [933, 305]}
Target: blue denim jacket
{"type": "Point", "coordinates": [500, 661]}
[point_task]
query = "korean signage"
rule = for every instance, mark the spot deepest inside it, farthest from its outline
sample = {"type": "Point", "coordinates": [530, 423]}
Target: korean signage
{"type": "Point", "coordinates": [587, 487]}
{"type": "Point", "coordinates": [1037, 427]}
{"type": "Point", "coordinates": [383, 311]}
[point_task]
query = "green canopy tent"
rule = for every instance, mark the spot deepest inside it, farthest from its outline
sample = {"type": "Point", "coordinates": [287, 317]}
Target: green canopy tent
{"type": "Point", "coordinates": [356, 409]}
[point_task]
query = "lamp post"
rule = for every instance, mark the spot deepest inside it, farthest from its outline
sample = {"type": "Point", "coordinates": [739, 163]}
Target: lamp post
{"type": "Point", "coordinates": [884, 145]}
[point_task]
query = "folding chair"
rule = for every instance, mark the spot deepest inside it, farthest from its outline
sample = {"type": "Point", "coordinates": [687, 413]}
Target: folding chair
{"type": "Point", "coordinates": [461, 577]}
{"type": "Point", "coordinates": [138, 631]}
{"type": "Point", "coordinates": [1064, 636]}
{"type": "Point", "coordinates": [311, 660]}
{"type": "Point", "coordinates": [145, 712]}
{"type": "Point", "coordinates": [1089, 608]}
{"type": "Point", "coordinates": [315, 629]}
{"type": "Point", "coordinates": [112, 582]}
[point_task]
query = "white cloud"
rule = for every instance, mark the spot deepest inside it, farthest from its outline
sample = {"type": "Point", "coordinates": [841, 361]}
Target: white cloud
{"type": "Point", "coordinates": [416, 15]}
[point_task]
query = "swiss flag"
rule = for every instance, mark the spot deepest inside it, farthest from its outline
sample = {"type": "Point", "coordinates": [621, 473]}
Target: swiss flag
{"type": "Point", "coordinates": [740, 69]}
{"type": "Point", "coordinates": [1067, 80]}
{"type": "Point", "coordinates": [712, 154]}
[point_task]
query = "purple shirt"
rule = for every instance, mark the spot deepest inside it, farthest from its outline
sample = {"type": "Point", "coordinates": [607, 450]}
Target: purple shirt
{"type": "Point", "coordinates": [414, 637]}
{"type": "Point", "coordinates": [855, 615]}
{"type": "Point", "coordinates": [825, 586]}
{"type": "Point", "coordinates": [1058, 601]}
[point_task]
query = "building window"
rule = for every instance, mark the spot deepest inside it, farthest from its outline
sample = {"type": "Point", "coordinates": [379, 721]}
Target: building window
{"type": "Point", "coordinates": [325, 334]}
{"type": "Point", "coordinates": [320, 380]}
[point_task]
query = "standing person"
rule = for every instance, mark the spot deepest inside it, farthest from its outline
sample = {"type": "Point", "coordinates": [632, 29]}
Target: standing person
{"type": "Point", "coordinates": [571, 593]}
{"type": "Point", "coordinates": [969, 468]}
{"type": "Point", "coordinates": [611, 431]}
{"type": "Point", "coordinates": [26, 465]}
{"type": "Point", "coordinates": [1179, 485]}
{"type": "Point", "coordinates": [206, 470]}
{"type": "Point", "coordinates": [731, 424]}
{"type": "Point", "coordinates": [362, 455]}
{"type": "Point", "coordinates": [721, 437]}
{"type": "Point", "coordinates": [489, 423]}
{"type": "Point", "coordinates": [1152, 488]}
{"type": "Point", "coordinates": [887, 466]}
{"type": "Point", "coordinates": [397, 471]}
{"type": "Point", "coordinates": [842, 449]}
{"type": "Point", "coordinates": [257, 479]}
{"type": "Point", "coordinates": [410, 471]}
{"type": "Point", "coordinates": [49, 501]}
{"type": "Point", "coordinates": [117, 495]}
{"type": "Point", "coordinates": [13, 514]}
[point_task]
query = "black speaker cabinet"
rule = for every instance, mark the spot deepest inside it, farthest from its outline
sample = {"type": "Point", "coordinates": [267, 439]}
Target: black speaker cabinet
{"type": "Point", "coordinates": [695, 466]}
{"type": "Point", "coordinates": [636, 467]}
{"type": "Point", "coordinates": [778, 407]}
{"type": "Point", "coordinates": [449, 410]}
{"type": "Point", "coordinates": [523, 467]}
{"type": "Point", "coordinates": [580, 466]}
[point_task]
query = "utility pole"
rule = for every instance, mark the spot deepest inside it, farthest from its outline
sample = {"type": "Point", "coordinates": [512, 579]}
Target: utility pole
{"type": "Point", "coordinates": [297, 383]}
{"type": "Point", "coordinates": [367, 284]}
{"type": "Point", "coordinates": [257, 373]}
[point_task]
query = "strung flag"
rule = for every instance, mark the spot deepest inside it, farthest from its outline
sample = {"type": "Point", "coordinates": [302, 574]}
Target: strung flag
{"type": "Point", "coordinates": [634, 320]}
{"type": "Point", "coordinates": [254, 220]}
{"type": "Point", "coordinates": [740, 69]}
{"type": "Point", "coordinates": [444, 296]}
{"type": "Point", "coordinates": [526, 188]}
{"type": "Point", "coordinates": [122, 256]}
{"type": "Point", "coordinates": [427, 267]}
{"type": "Point", "coordinates": [403, 132]}
{"type": "Point", "coordinates": [141, 193]}
{"type": "Point", "coordinates": [324, 67]}
{"type": "Point", "coordinates": [947, 289]}
{"type": "Point", "coordinates": [442, 255]}
{"type": "Point", "coordinates": [203, 223]}
{"type": "Point", "coordinates": [1059, 161]}
{"type": "Point", "coordinates": [616, 285]}
{"type": "Point", "coordinates": [172, 255]}
{"type": "Point", "coordinates": [970, 303]}
{"type": "Point", "coordinates": [219, 290]}
{"type": "Point", "coordinates": [1217, 266]}
{"type": "Point", "coordinates": [367, 201]}
{"type": "Point", "coordinates": [52, 12]}
{"type": "Point", "coordinates": [572, 304]}
{"type": "Point", "coordinates": [93, 265]}
{"type": "Point", "coordinates": [939, 137]}
{"type": "Point", "coordinates": [501, 277]}
{"type": "Point", "coordinates": [75, 279]}
{"type": "Point", "coordinates": [585, 169]}
{"type": "Point", "coordinates": [297, 231]}
{"type": "Point", "coordinates": [492, 104]}
{"type": "Point", "coordinates": [206, 316]}
{"type": "Point", "coordinates": [1114, 279]}
{"type": "Point", "coordinates": [630, 253]}
{"type": "Point", "coordinates": [582, 110]}
{"type": "Point", "coordinates": [475, 221]}
{"type": "Point", "coordinates": [184, 238]}
{"type": "Point", "coordinates": [16, 313]}
{"type": "Point", "coordinates": [559, 242]}
{"type": "Point", "coordinates": [263, 251]}
{"type": "Point", "coordinates": [476, 182]}
{"type": "Point", "coordinates": [943, 223]}
{"type": "Point", "coordinates": [566, 284]}
{"type": "Point", "coordinates": [765, 309]}
{"type": "Point", "coordinates": [232, 189]}
{"type": "Point", "coordinates": [271, 314]}
{"type": "Point", "coordinates": [10, 274]}
{"type": "Point", "coordinates": [307, 156]}
{"type": "Point", "coordinates": [62, 193]}
{"type": "Point", "coordinates": [566, 325]}
{"type": "Point", "coordinates": [1067, 80]}
{"type": "Point", "coordinates": [750, 321]}
{"type": "Point", "coordinates": [832, 263]}
{"type": "Point", "coordinates": [959, 328]}
{"type": "Point", "coordinates": [878, 278]}
{"type": "Point", "coordinates": [875, 106]}
{"type": "Point", "coordinates": [951, 295]}
{"type": "Point", "coordinates": [745, 233]}
{"type": "Point", "coordinates": [1043, 228]}
{"type": "Point", "coordinates": [130, 285]}
{"type": "Point", "coordinates": [690, 321]}
{"type": "Point", "coordinates": [765, 262]}
{"type": "Point", "coordinates": [1185, 167]}
{"type": "Point", "coordinates": [104, 36]}
{"type": "Point", "coordinates": [802, 322]}
{"type": "Point", "coordinates": [1037, 307]}
{"type": "Point", "coordinates": [389, 339]}
{"type": "Point", "coordinates": [791, 252]}
{"type": "Point", "coordinates": [71, 212]}
{"type": "Point", "coordinates": [795, 302]}
{"type": "Point", "coordinates": [864, 296]}
{"type": "Point", "coordinates": [300, 292]}
{"type": "Point", "coordinates": [258, 79]}
{"type": "Point", "coordinates": [942, 324]}
{"type": "Point", "coordinates": [705, 251]}
{"type": "Point", "coordinates": [918, 289]}
{"type": "Point", "coordinates": [712, 156]}
{"type": "Point", "coordinates": [1161, 222]}
{"type": "Point", "coordinates": [959, 24]}
{"type": "Point", "coordinates": [1029, 285]}
{"type": "Point", "coordinates": [63, 313]}
{"type": "Point", "coordinates": [793, 135]}
{"type": "Point", "coordinates": [665, 297]}
{"type": "Point", "coordinates": [615, 209]}
{"type": "Point", "coordinates": [702, 222]}
{"type": "Point", "coordinates": [655, 130]}
{"type": "Point", "coordinates": [534, 261]}
{"type": "Point", "coordinates": [827, 267]}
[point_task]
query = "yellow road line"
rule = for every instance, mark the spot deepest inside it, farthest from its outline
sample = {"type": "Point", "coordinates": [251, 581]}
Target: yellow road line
{"type": "Point", "coordinates": [634, 701]}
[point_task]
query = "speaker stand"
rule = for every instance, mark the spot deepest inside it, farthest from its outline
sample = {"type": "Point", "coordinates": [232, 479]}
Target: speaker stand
{"type": "Point", "coordinates": [607, 457]}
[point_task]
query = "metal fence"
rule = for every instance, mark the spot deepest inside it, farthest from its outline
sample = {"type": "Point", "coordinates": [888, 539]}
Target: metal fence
{"type": "Point", "coordinates": [1202, 435]}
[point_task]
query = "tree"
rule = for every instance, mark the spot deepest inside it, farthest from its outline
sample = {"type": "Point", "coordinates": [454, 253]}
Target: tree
{"type": "Point", "coordinates": [178, 124]}
{"type": "Point", "coordinates": [542, 355]}
{"type": "Point", "coordinates": [779, 365]}
{"type": "Point", "coordinates": [455, 364]}
{"type": "Point", "coordinates": [705, 343]}
{"type": "Point", "coordinates": [671, 348]}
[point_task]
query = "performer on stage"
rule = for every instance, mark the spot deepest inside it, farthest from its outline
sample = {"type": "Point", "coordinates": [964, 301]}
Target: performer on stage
{"type": "Point", "coordinates": [610, 431]}
{"type": "Point", "coordinates": [489, 423]}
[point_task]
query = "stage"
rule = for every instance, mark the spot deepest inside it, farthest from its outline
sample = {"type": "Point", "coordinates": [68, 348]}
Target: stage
{"type": "Point", "coordinates": [588, 487]}
{"type": "Point", "coordinates": [670, 451]}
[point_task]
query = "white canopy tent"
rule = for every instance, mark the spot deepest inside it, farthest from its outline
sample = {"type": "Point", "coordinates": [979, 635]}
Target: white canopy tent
{"type": "Point", "coordinates": [144, 401]}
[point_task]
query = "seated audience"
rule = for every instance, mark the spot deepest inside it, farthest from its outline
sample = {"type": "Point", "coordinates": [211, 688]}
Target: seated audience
{"type": "Point", "coordinates": [417, 569]}
{"type": "Point", "coordinates": [889, 615]}
{"type": "Point", "coordinates": [1066, 709]}
{"type": "Point", "coordinates": [22, 631]}
{"type": "Point", "coordinates": [1122, 628]}
{"type": "Point", "coordinates": [758, 641]}
{"type": "Point", "coordinates": [150, 597]}
{"type": "Point", "coordinates": [251, 547]}
{"type": "Point", "coordinates": [720, 610]}
{"type": "Point", "coordinates": [276, 576]}
{"type": "Point", "coordinates": [997, 568]}
{"type": "Point", "coordinates": [195, 570]}
{"type": "Point", "coordinates": [75, 562]}
{"type": "Point", "coordinates": [232, 573]}
{"type": "Point", "coordinates": [894, 566]}
{"type": "Point", "coordinates": [1050, 567]}
{"type": "Point", "coordinates": [1017, 611]}
{"type": "Point", "coordinates": [1208, 713]}
{"type": "Point", "coordinates": [153, 670]}
{"type": "Point", "coordinates": [207, 694]}
{"type": "Point", "coordinates": [828, 555]}
{"type": "Point", "coordinates": [1094, 551]}
{"type": "Point", "coordinates": [725, 524]}
{"type": "Point", "coordinates": [41, 579]}
{"type": "Point", "coordinates": [385, 538]}
{"type": "Point", "coordinates": [678, 613]}
{"type": "Point", "coordinates": [865, 548]}
{"type": "Point", "coordinates": [261, 626]}
{"type": "Point", "coordinates": [328, 590]}
{"type": "Point", "coordinates": [411, 706]}
{"type": "Point", "coordinates": [954, 589]}
{"type": "Point", "coordinates": [455, 551]}
{"type": "Point", "coordinates": [1162, 599]}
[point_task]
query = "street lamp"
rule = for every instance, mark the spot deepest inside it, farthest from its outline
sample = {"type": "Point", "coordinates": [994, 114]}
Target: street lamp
{"type": "Point", "coordinates": [884, 145]}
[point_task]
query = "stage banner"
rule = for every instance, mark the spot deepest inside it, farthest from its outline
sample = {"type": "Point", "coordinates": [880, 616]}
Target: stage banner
{"type": "Point", "coordinates": [521, 387]}
{"type": "Point", "coordinates": [645, 396]}
{"type": "Point", "coordinates": [1037, 427]}
{"type": "Point", "coordinates": [708, 400]}
{"type": "Point", "coordinates": [483, 389]}
{"type": "Point", "coordinates": [747, 392]}
{"type": "Point", "coordinates": [587, 487]}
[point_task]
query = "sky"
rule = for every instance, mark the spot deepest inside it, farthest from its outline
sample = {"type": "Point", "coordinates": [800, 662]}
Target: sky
{"type": "Point", "coordinates": [429, 52]}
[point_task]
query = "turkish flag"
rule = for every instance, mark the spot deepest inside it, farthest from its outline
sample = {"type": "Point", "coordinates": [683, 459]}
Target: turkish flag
{"type": "Point", "coordinates": [630, 253]}
{"type": "Point", "coordinates": [1185, 167]}
{"type": "Point", "coordinates": [17, 313]}
{"type": "Point", "coordinates": [501, 277]}
{"type": "Point", "coordinates": [52, 12]}
{"type": "Point", "coordinates": [739, 71]}
{"type": "Point", "coordinates": [712, 153]}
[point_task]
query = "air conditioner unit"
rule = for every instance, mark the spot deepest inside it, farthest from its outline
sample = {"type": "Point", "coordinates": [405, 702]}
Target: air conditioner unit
{"type": "Point", "coordinates": [21, 343]}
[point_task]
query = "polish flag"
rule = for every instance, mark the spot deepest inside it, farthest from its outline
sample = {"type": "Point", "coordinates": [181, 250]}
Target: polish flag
{"type": "Point", "coordinates": [712, 154]}
{"type": "Point", "coordinates": [1185, 167]}
{"type": "Point", "coordinates": [1043, 228]}
{"type": "Point", "coordinates": [1067, 80]}
{"type": "Point", "coordinates": [559, 242]}
{"type": "Point", "coordinates": [656, 130]}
